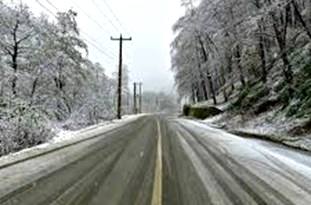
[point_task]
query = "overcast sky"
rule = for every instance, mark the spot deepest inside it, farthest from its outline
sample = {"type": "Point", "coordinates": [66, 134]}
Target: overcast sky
{"type": "Point", "coordinates": [148, 22]}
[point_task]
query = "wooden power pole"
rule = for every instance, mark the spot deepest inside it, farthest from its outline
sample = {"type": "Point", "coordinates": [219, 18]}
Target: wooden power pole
{"type": "Point", "coordinates": [140, 97]}
{"type": "Point", "coordinates": [135, 101]}
{"type": "Point", "coordinates": [121, 39]}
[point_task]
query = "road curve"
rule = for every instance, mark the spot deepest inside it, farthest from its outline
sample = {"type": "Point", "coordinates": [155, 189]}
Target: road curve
{"type": "Point", "coordinates": [160, 160]}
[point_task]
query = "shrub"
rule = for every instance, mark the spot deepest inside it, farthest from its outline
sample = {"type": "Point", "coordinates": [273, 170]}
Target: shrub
{"type": "Point", "coordinates": [186, 110]}
{"type": "Point", "coordinates": [250, 95]}
{"type": "Point", "coordinates": [22, 126]}
{"type": "Point", "coordinates": [265, 106]}
{"type": "Point", "coordinates": [204, 112]}
{"type": "Point", "coordinates": [255, 95]}
{"type": "Point", "coordinates": [238, 103]}
{"type": "Point", "coordinates": [300, 105]}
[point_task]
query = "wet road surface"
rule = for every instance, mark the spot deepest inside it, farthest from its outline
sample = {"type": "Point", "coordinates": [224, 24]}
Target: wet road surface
{"type": "Point", "coordinates": [160, 160]}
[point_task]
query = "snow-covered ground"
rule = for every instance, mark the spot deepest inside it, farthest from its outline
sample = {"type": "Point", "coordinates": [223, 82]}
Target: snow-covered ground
{"type": "Point", "coordinates": [64, 137]}
{"type": "Point", "coordinates": [236, 145]}
{"type": "Point", "coordinates": [273, 124]}
{"type": "Point", "coordinates": [267, 125]}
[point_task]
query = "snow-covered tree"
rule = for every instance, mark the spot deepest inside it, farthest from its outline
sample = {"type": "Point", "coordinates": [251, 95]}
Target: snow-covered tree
{"type": "Point", "coordinates": [46, 79]}
{"type": "Point", "coordinates": [227, 43]}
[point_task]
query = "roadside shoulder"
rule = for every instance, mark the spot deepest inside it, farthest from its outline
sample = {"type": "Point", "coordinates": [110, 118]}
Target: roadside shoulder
{"type": "Point", "coordinates": [60, 142]}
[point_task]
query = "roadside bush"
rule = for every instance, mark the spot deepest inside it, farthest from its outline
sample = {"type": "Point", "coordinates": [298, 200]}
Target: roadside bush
{"type": "Point", "coordinates": [204, 112]}
{"type": "Point", "coordinates": [265, 106]}
{"type": "Point", "coordinates": [186, 110]}
{"type": "Point", "coordinates": [238, 103]}
{"type": "Point", "coordinates": [285, 96]}
{"type": "Point", "coordinates": [256, 94]}
{"type": "Point", "coordinates": [249, 96]}
{"type": "Point", "coordinates": [300, 104]}
{"type": "Point", "coordinates": [22, 126]}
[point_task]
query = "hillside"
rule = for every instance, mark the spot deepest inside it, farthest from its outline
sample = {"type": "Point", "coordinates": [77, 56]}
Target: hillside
{"type": "Point", "coordinates": [257, 71]}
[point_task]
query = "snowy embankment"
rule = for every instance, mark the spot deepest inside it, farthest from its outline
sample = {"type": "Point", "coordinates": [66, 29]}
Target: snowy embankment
{"type": "Point", "coordinates": [66, 138]}
{"type": "Point", "coordinates": [272, 124]}
{"type": "Point", "coordinates": [276, 130]}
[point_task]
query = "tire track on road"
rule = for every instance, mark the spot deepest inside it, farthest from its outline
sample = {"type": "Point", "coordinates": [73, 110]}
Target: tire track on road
{"type": "Point", "coordinates": [183, 186]}
{"type": "Point", "coordinates": [221, 180]}
{"type": "Point", "coordinates": [171, 186]}
{"type": "Point", "coordinates": [109, 132]}
{"type": "Point", "coordinates": [35, 185]}
{"type": "Point", "coordinates": [242, 172]}
{"type": "Point", "coordinates": [85, 195]}
{"type": "Point", "coordinates": [287, 172]}
{"type": "Point", "coordinates": [157, 186]}
{"type": "Point", "coordinates": [140, 179]}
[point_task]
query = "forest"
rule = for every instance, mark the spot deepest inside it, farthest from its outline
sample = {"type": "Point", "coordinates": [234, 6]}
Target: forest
{"type": "Point", "coordinates": [46, 79]}
{"type": "Point", "coordinates": [253, 54]}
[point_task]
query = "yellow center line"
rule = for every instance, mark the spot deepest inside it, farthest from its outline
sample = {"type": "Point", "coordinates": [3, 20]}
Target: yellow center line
{"type": "Point", "coordinates": [157, 185]}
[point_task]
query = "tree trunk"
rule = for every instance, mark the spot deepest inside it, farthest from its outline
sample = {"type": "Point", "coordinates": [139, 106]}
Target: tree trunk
{"type": "Point", "coordinates": [198, 96]}
{"type": "Point", "coordinates": [205, 94]}
{"type": "Point", "coordinates": [193, 94]}
{"type": "Point", "coordinates": [238, 57]}
{"type": "Point", "coordinates": [225, 94]}
{"type": "Point", "coordinates": [14, 66]}
{"type": "Point", "coordinates": [33, 88]}
{"type": "Point", "coordinates": [281, 36]}
{"type": "Point", "coordinates": [210, 80]}
{"type": "Point", "coordinates": [14, 56]}
{"type": "Point", "coordinates": [204, 58]}
{"type": "Point", "coordinates": [230, 71]}
{"type": "Point", "coordinates": [300, 18]}
{"type": "Point", "coordinates": [308, 13]}
{"type": "Point", "coordinates": [262, 52]}
{"type": "Point", "coordinates": [224, 83]}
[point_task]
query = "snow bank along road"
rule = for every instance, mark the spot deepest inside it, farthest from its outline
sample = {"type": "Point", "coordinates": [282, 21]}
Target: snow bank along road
{"type": "Point", "coordinates": [159, 160]}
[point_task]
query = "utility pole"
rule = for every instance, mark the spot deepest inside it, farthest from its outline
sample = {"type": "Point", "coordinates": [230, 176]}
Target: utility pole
{"type": "Point", "coordinates": [135, 101]}
{"type": "Point", "coordinates": [140, 97]}
{"type": "Point", "coordinates": [121, 39]}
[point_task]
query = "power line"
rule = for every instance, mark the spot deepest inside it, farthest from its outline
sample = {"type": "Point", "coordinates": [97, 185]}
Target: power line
{"type": "Point", "coordinates": [98, 48]}
{"type": "Point", "coordinates": [103, 13]}
{"type": "Point", "coordinates": [90, 17]}
{"type": "Point", "coordinates": [96, 22]}
{"type": "Point", "coordinates": [111, 55]}
{"type": "Point", "coordinates": [50, 3]}
{"type": "Point", "coordinates": [93, 44]}
{"type": "Point", "coordinates": [91, 40]}
{"type": "Point", "coordinates": [46, 8]}
{"type": "Point", "coordinates": [114, 15]}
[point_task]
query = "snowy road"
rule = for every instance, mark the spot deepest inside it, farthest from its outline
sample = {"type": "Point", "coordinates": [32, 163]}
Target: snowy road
{"type": "Point", "coordinates": [159, 160]}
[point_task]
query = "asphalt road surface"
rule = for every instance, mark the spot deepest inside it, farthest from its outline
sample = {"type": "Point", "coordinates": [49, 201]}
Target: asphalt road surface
{"type": "Point", "coordinates": [157, 160]}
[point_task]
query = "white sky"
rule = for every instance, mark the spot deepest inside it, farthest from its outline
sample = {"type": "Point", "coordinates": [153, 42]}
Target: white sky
{"type": "Point", "coordinates": [148, 22]}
